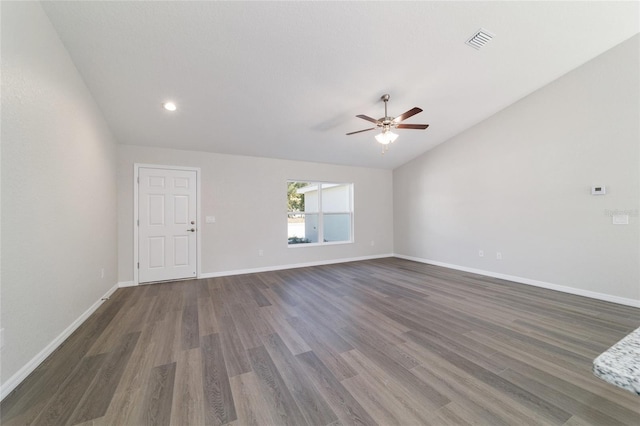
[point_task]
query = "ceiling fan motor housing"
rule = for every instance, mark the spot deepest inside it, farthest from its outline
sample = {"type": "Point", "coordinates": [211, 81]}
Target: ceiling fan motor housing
{"type": "Point", "coordinates": [387, 123]}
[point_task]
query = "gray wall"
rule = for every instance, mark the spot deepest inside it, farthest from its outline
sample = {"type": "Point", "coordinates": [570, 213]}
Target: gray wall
{"type": "Point", "coordinates": [519, 183]}
{"type": "Point", "coordinates": [58, 189]}
{"type": "Point", "coordinates": [248, 197]}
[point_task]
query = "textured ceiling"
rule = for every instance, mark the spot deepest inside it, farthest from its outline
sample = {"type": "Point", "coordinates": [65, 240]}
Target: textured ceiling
{"type": "Point", "coordinates": [286, 79]}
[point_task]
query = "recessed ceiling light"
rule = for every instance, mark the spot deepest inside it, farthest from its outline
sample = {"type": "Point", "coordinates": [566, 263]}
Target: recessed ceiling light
{"type": "Point", "coordinates": [169, 106]}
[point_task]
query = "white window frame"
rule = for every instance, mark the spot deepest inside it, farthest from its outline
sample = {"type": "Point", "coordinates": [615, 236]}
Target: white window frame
{"type": "Point", "coordinates": [321, 214]}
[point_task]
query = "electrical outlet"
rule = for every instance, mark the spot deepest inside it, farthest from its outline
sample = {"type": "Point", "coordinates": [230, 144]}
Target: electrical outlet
{"type": "Point", "coordinates": [260, 252]}
{"type": "Point", "coordinates": [373, 243]}
{"type": "Point", "coordinates": [102, 273]}
{"type": "Point", "coordinates": [498, 255]}
{"type": "Point", "coordinates": [481, 253]}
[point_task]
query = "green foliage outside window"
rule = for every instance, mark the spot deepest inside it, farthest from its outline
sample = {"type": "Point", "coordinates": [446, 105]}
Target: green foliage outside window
{"type": "Point", "coordinates": [295, 201]}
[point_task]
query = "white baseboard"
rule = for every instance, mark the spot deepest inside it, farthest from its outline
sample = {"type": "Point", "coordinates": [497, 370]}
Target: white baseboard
{"type": "Point", "coordinates": [536, 283]}
{"type": "Point", "coordinates": [290, 266]}
{"type": "Point", "coordinates": [203, 275]}
{"type": "Point", "coordinates": [7, 387]}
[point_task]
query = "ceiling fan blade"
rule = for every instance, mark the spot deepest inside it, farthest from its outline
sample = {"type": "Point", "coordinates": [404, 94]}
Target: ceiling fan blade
{"type": "Point", "coordinates": [410, 113]}
{"type": "Point", "coordinates": [365, 117]}
{"type": "Point", "coordinates": [360, 131]}
{"type": "Point", "coordinates": [412, 126]}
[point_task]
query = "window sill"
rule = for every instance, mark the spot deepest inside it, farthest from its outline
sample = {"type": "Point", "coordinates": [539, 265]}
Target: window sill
{"type": "Point", "coordinates": [332, 243]}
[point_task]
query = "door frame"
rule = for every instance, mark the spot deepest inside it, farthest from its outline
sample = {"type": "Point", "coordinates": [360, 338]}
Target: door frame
{"type": "Point", "coordinates": [136, 176]}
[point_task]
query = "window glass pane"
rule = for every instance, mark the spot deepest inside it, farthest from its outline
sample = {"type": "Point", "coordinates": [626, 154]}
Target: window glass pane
{"type": "Point", "coordinates": [336, 197]}
{"type": "Point", "coordinates": [337, 227]}
{"type": "Point", "coordinates": [302, 228]}
{"type": "Point", "coordinates": [319, 212]}
{"type": "Point", "coordinates": [302, 197]}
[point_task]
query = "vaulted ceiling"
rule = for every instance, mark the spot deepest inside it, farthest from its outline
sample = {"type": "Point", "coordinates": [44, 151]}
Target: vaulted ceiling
{"type": "Point", "coordinates": [286, 79]}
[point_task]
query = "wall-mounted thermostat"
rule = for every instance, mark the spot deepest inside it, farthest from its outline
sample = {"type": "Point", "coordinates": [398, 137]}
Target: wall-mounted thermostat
{"type": "Point", "coordinates": [598, 190]}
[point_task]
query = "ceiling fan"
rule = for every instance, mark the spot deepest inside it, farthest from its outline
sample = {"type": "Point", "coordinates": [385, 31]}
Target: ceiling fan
{"type": "Point", "coordinates": [387, 123]}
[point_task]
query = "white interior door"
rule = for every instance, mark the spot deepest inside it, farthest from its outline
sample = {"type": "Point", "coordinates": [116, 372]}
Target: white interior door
{"type": "Point", "coordinates": [167, 224]}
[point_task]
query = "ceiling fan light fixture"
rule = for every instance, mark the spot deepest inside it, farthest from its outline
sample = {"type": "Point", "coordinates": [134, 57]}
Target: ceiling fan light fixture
{"type": "Point", "coordinates": [386, 123]}
{"type": "Point", "coordinates": [386, 137]}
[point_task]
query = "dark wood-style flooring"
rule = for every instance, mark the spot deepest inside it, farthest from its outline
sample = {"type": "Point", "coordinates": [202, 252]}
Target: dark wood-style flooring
{"type": "Point", "coordinates": [388, 342]}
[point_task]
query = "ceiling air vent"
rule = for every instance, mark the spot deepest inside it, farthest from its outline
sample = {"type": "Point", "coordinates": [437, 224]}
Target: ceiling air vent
{"type": "Point", "coordinates": [480, 38]}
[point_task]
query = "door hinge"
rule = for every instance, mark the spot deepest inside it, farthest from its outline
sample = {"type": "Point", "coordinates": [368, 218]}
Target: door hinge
{"type": "Point", "coordinates": [138, 265]}
{"type": "Point", "coordinates": [138, 222]}
{"type": "Point", "coordinates": [138, 178]}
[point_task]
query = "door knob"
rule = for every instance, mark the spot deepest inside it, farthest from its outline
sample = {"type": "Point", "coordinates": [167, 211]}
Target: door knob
{"type": "Point", "coordinates": [191, 230]}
